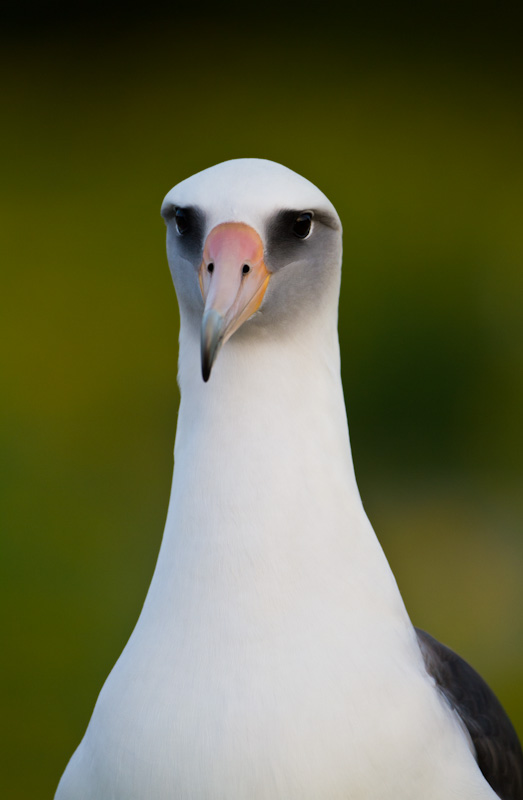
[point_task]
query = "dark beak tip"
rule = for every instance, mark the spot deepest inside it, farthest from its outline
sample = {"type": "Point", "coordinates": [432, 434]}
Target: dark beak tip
{"type": "Point", "coordinates": [213, 327]}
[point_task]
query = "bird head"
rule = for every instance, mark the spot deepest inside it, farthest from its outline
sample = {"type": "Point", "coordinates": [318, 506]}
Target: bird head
{"type": "Point", "coordinates": [250, 244]}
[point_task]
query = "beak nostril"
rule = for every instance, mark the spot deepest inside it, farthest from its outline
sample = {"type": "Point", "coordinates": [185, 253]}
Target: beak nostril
{"type": "Point", "coordinates": [210, 267]}
{"type": "Point", "coordinates": [245, 269]}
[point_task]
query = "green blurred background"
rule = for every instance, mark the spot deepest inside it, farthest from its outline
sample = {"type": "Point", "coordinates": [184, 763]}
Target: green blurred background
{"type": "Point", "coordinates": [411, 121]}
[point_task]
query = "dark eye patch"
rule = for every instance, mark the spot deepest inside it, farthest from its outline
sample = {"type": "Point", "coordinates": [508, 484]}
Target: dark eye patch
{"type": "Point", "coordinates": [289, 224]}
{"type": "Point", "coordinates": [289, 235]}
{"type": "Point", "coordinates": [189, 226]}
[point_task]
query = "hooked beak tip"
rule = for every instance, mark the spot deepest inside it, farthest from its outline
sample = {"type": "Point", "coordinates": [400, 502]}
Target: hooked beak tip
{"type": "Point", "coordinates": [206, 371]}
{"type": "Point", "coordinates": [213, 327]}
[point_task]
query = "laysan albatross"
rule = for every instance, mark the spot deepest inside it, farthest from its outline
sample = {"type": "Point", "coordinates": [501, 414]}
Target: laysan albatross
{"type": "Point", "coordinates": [274, 657]}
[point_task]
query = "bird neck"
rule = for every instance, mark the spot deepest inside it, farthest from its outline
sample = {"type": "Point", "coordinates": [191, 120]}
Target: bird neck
{"type": "Point", "coordinates": [264, 502]}
{"type": "Point", "coordinates": [270, 422]}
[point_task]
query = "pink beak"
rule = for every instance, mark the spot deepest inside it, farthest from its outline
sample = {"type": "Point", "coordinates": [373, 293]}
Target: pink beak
{"type": "Point", "coordinates": [233, 280]}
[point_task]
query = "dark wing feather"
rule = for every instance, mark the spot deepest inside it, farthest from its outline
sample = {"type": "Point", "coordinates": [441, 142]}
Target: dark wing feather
{"type": "Point", "coordinates": [498, 751]}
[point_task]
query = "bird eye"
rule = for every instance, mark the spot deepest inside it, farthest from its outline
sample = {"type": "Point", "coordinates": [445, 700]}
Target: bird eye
{"type": "Point", "coordinates": [302, 225]}
{"type": "Point", "coordinates": [182, 221]}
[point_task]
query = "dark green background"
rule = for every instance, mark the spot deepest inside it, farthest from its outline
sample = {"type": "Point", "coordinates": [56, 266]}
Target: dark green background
{"type": "Point", "coordinates": [412, 123]}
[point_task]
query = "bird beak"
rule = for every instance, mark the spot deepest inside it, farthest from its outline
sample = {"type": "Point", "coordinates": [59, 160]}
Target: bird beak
{"type": "Point", "coordinates": [233, 280]}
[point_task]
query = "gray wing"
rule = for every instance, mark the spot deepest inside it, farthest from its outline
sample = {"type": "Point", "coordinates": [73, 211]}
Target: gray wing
{"type": "Point", "coordinates": [498, 751]}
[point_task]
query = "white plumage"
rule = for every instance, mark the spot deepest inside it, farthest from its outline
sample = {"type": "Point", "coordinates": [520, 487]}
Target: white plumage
{"type": "Point", "coordinates": [273, 657]}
